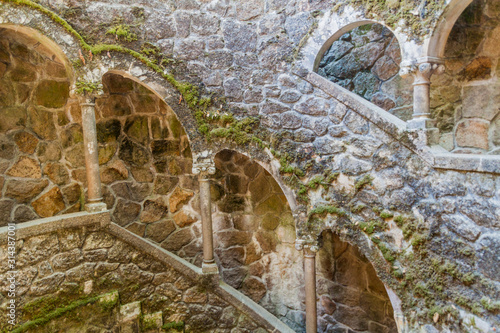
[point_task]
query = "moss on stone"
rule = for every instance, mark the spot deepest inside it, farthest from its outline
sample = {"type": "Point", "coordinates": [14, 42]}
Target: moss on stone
{"type": "Point", "coordinates": [365, 180]}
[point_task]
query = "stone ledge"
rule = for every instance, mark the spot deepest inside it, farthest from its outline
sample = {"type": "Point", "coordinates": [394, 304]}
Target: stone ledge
{"type": "Point", "coordinates": [157, 252]}
{"type": "Point", "coordinates": [246, 305]}
{"type": "Point", "coordinates": [464, 162]}
{"type": "Point", "coordinates": [54, 223]}
{"type": "Point", "coordinates": [397, 128]}
{"type": "Point", "coordinates": [229, 294]}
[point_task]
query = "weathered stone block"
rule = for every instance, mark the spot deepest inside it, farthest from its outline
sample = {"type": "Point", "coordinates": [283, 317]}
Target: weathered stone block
{"type": "Point", "coordinates": [154, 210]}
{"type": "Point", "coordinates": [472, 133]}
{"type": "Point", "coordinates": [158, 231]}
{"type": "Point", "coordinates": [25, 167]}
{"type": "Point", "coordinates": [50, 203]}
{"type": "Point", "coordinates": [179, 198]}
{"type": "Point", "coordinates": [114, 105]}
{"type": "Point", "coordinates": [57, 173]}
{"type": "Point", "coordinates": [26, 142]}
{"type": "Point", "coordinates": [42, 123]}
{"type": "Point", "coordinates": [239, 37]}
{"type": "Point", "coordinates": [133, 153]}
{"type": "Point", "coordinates": [52, 94]}
{"type": "Point", "coordinates": [178, 239]}
{"type": "Point", "coordinates": [25, 190]}
{"type": "Point", "coordinates": [126, 212]}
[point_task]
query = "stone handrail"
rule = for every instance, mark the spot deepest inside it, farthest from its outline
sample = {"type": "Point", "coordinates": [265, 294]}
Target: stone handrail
{"type": "Point", "coordinates": [414, 140]}
{"type": "Point", "coordinates": [101, 221]}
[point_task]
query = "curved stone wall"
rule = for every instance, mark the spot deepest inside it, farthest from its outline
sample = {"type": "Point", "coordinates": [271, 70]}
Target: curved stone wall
{"type": "Point", "coordinates": [38, 146]}
{"type": "Point", "coordinates": [430, 232]}
{"type": "Point", "coordinates": [465, 99]}
{"type": "Point", "coordinates": [351, 296]}
{"type": "Point", "coordinates": [366, 61]}
{"type": "Point", "coordinates": [254, 233]}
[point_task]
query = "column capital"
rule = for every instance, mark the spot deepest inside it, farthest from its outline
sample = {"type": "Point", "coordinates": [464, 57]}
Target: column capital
{"type": "Point", "coordinates": [422, 69]}
{"type": "Point", "coordinates": [310, 247]}
{"type": "Point", "coordinates": [204, 168]}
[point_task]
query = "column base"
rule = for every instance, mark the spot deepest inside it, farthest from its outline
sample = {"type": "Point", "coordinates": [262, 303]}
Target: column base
{"type": "Point", "coordinates": [209, 268]}
{"type": "Point", "coordinates": [96, 207]}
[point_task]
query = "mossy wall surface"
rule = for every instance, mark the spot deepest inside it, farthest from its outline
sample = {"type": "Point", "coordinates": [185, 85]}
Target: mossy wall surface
{"type": "Point", "coordinates": [57, 269]}
{"type": "Point", "coordinates": [431, 234]}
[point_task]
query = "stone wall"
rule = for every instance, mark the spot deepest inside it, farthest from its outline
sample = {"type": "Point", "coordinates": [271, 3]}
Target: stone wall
{"type": "Point", "coordinates": [431, 234]}
{"type": "Point", "coordinates": [366, 61]}
{"type": "Point", "coordinates": [465, 99]}
{"type": "Point", "coordinates": [351, 296]}
{"type": "Point", "coordinates": [55, 269]}
{"type": "Point", "coordinates": [145, 164]}
{"type": "Point", "coordinates": [37, 148]}
{"type": "Point", "coordinates": [254, 234]}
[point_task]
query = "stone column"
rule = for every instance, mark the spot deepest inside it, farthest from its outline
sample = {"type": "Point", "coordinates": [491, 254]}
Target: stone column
{"type": "Point", "coordinates": [204, 170]}
{"type": "Point", "coordinates": [94, 194]}
{"type": "Point", "coordinates": [309, 250]}
{"type": "Point", "coordinates": [421, 119]}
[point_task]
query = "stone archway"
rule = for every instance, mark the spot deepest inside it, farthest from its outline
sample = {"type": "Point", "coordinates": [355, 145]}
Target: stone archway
{"type": "Point", "coordinates": [365, 58]}
{"type": "Point", "coordinates": [36, 159]}
{"type": "Point", "coordinates": [465, 98]}
{"type": "Point", "coordinates": [254, 235]}
{"type": "Point", "coordinates": [351, 295]}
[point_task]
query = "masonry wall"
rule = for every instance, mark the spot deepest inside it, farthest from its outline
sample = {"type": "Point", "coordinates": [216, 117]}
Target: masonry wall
{"type": "Point", "coordinates": [431, 234]}
{"type": "Point", "coordinates": [55, 269]}
{"type": "Point", "coordinates": [366, 61]}
{"type": "Point", "coordinates": [254, 233]}
{"type": "Point", "coordinates": [465, 99]}
{"type": "Point", "coordinates": [351, 296]}
{"type": "Point", "coordinates": [38, 147]}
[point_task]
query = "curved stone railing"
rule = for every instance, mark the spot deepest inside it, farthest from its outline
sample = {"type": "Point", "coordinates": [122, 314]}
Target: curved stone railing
{"type": "Point", "coordinates": [415, 140]}
{"type": "Point", "coordinates": [100, 223]}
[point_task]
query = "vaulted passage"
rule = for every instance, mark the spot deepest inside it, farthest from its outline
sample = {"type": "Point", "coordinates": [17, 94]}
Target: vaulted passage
{"type": "Point", "coordinates": [37, 150]}
{"type": "Point", "coordinates": [465, 99]}
{"type": "Point", "coordinates": [351, 296]}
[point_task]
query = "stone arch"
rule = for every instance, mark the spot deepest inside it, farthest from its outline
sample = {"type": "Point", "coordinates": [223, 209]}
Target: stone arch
{"type": "Point", "coordinates": [70, 45]}
{"type": "Point", "coordinates": [333, 24]}
{"type": "Point", "coordinates": [338, 33]}
{"type": "Point", "coordinates": [44, 45]}
{"type": "Point", "coordinates": [437, 42]}
{"type": "Point", "coordinates": [365, 58]}
{"type": "Point", "coordinates": [254, 235]}
{"type": "Point", "coordinates": [146, 165]}
{"type": "Point", "coordinates": [465, 98]}
{"type": "Point", "coordinates": [35, 160]}
{"type": "Point", "coordinates": [351, 294]}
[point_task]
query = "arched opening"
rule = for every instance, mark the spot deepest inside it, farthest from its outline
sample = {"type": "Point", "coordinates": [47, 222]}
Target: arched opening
{"type": "Point", "coordinates": [254, 233]}
{"type": "Point", "coordinates": [35, 167]}
{"type": "Point", "coordinates": [351, 296]}
{"type": "Point", "coordinates": [145, 164]}
{"type": "Point", "coordinates": [365, 59]}
{"type": "Point", "coordinates": [465, 100]}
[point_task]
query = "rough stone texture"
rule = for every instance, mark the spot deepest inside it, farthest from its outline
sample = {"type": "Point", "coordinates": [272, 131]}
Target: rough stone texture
{"type": "Point", "coordinates": [71, 263]}
{"type": "Point", "coordinates": [254, 234]}
{"type": "Point", "coordinates": [257, 55]}
{"type": "Point", "coordinates": [366, 61]}
{"type": "Point", "coordinates": [469, 88]}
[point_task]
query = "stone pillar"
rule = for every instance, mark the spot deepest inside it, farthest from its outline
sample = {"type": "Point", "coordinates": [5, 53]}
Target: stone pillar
{"type": "Point", "coordinates": [421, 119]}
{"type": "Point", "coordinates": [204, 170]}
{"type": "Point", "coordinates": [94, 194]}
{"type": "Point", "coordinates": [309, 249]}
